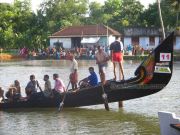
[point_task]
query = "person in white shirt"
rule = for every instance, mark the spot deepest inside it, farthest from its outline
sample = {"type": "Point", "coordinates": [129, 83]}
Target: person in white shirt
{"type": "Point", "coordinates": [73, 75]}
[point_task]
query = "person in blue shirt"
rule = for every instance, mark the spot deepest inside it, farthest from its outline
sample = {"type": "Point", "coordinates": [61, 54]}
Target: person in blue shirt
{"type": "Point", "coordinates": [91, 80]}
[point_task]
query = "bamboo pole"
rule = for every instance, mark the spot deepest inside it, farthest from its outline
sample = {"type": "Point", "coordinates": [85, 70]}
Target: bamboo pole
{"type": "Point", "coordinates": [161, 20]}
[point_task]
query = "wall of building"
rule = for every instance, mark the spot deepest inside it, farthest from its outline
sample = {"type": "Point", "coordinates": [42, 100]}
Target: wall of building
{"type": "Point", "coordinates": [111, 39]}
{"type": "Point", "coordinates": [141, 31]}
{"type": "Point", "coordinates": [157, 40]}
{"type": "Point", "coordinates": [127, 41]}
{"type": "Point", "coordinates": [177, 43]}
{"type": "Point", "coordinates": [65, 41]}
{"type": "Point", "coordinates": [103, 41]}
{"type": "Point", "coordinates": [144, 42]}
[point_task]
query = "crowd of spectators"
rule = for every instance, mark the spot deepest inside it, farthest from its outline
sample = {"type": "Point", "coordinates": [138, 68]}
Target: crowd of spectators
{"type": "Point", "coordinates": [84, 53]}
{"type": "Point", "coordinates": [58, 53]}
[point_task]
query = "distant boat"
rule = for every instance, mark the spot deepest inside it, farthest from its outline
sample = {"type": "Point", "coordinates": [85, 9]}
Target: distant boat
{"type": "Point", "coordinates": [169, 123]}
{"type": "Point", "coordinates": [152, 75]}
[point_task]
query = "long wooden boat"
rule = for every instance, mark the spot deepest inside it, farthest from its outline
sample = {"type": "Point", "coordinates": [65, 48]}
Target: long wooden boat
{"type": "Point", "coordinates": [152, 75]}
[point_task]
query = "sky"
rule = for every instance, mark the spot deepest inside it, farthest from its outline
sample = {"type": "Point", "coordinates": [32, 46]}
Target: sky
{"type": "Point", "coordinates": [35, 3]}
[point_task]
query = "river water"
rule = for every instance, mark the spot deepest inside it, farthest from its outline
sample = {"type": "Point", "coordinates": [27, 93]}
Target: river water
{"type": "Point", "coordinates": [138, 116]}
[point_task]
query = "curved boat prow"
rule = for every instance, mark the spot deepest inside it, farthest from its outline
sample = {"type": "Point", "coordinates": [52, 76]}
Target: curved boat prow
{"type": "Point", "coordinates": [158, 67]}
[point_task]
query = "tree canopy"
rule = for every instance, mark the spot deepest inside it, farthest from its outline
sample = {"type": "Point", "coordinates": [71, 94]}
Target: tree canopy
{"type": "Point", "coordinates": [20, 26]}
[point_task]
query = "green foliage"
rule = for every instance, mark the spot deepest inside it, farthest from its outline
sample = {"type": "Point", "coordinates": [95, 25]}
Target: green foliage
{"type": "Point", "coordinates": [96, 14]}
{"type": "Point", "coordinates": [131, 12]}
{"type": "Point", "coordinates": [60, 13]}
{"type": "Point", "coordinates": [175, 4]}
{"type": "Point", "coordinates": [20, 27]}
{"type": "Point", "coordinates": [152, 18]}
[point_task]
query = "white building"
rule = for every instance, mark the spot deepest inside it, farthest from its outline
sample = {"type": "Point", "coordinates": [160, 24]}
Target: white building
{"type": "Point", "coordinates": [147, 38]}
{"type": "Point", "coordinates": [83, 36]}
{"type": "Point", "coordinates": [177, 40]}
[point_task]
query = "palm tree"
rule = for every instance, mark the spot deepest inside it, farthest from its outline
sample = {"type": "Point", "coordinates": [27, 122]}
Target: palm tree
{"type": "Point", "coordinates": [161, 20]}
{"type": "Point", "coordinates": [176, 6]}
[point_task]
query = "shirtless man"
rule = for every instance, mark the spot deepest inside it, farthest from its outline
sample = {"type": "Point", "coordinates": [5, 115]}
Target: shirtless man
{"type": "Point", "coordinates": [101, 60]}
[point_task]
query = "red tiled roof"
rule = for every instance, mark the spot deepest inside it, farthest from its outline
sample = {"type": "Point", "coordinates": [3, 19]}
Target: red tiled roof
{"type": "Point", "coordinates": [85, 30]}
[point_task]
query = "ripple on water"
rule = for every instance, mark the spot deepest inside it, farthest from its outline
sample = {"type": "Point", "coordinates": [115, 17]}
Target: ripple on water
{"type": "Point", "coordinates": [139, 116]}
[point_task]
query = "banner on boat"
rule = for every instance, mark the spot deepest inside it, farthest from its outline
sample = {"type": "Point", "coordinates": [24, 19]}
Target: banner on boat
{"type": "Point", "coordinates": [162, 69]}
{"type": "Point", "coordinates": [165, 56]}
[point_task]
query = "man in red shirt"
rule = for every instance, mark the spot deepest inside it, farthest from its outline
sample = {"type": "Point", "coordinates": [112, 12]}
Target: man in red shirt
{"type": "Point", "coordinates": [117, 56]}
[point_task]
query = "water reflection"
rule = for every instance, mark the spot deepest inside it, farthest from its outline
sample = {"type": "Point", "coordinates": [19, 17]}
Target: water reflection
{"type": "Point", "coordinates": [78, 121]}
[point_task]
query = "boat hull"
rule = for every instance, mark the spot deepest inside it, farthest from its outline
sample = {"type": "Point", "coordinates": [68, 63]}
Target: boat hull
{"type": "Point", "coordinates": [153, 74]}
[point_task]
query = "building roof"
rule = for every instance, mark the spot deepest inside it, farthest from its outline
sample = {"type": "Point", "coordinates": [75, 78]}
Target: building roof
{"type": "Point", "coordinates": [141, 31]}
{"type": "Point", "coordinates": [86, 30]}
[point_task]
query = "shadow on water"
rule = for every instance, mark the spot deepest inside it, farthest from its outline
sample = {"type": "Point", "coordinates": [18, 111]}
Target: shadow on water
{"type": "Point", "coordinates": [77, 121]}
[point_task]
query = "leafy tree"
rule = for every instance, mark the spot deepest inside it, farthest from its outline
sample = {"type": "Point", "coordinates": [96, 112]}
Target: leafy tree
{"type": "Point", "coordinates": [23, 23]}
{"type": "Point", "coordinates": [6, 26]}
{"type": "Point", "coordinates": [131, 12]}
{"type": "Point", "coordinates": [150, 15]}
{"type": "Point", "coordinates": [123, 13]}
{"type": "Point", "coordinates": [113, 9]}
{"type": "Point", "coordinates": [96, 14]}
{"type": "Point", "coordinates": [175, 4]}
{"type": "Point", "coordinates": [60, 13]}
{"type": "Point", "coordinates": [19, 26]}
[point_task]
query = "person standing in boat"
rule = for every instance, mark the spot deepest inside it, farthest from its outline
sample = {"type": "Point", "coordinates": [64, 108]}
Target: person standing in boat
{"type": "Point", "coordinates": [73, 75]}
{"type": "Point", "coordinates": [47, 87]}
{"type": "Point", "coordinates": [116, 49]}
{"type": "Point", "coordinates": [59, 85]}
{"type": "Point", "coordinates": [31, 87]}
{"type": "Point", "coordinates": [101, 60]}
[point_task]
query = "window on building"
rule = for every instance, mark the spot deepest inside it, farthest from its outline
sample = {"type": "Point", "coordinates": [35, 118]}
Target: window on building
{"type": "Point", "coordinates": [135, 40]}
{"type": "Point", "coordinates": [152, 41]}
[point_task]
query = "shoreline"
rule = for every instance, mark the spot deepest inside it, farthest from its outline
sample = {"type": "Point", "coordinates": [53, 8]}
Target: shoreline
{"type": "Point", "coordinates": [9, 57]}
{"type": "Point", "coordinates": [6, 57]}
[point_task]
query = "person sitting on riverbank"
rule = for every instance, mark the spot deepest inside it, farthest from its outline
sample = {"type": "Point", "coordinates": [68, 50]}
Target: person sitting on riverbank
{"type": "Point", "coordinates": [90, 81]}
{"type": "Point", "coordinates": [31, 87]}
{"type": "Point", "coordinates": [59, 85]}
{"type": "Point", "coordinates": [14, 92]}
{"type": "Point", "coordinates": [47, 87]}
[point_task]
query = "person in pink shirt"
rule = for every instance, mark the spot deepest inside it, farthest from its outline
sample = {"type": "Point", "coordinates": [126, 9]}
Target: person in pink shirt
{"type": "Point", "coordinates": [59, 85]}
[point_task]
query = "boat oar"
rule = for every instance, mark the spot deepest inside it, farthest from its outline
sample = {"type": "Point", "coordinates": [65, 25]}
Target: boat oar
{"type": "Point", "coordinates": [62, 102]}
{"type": "Point", "coordinates": [39, 86]}
{"type": "Point", "coordinates": [104, 96]}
